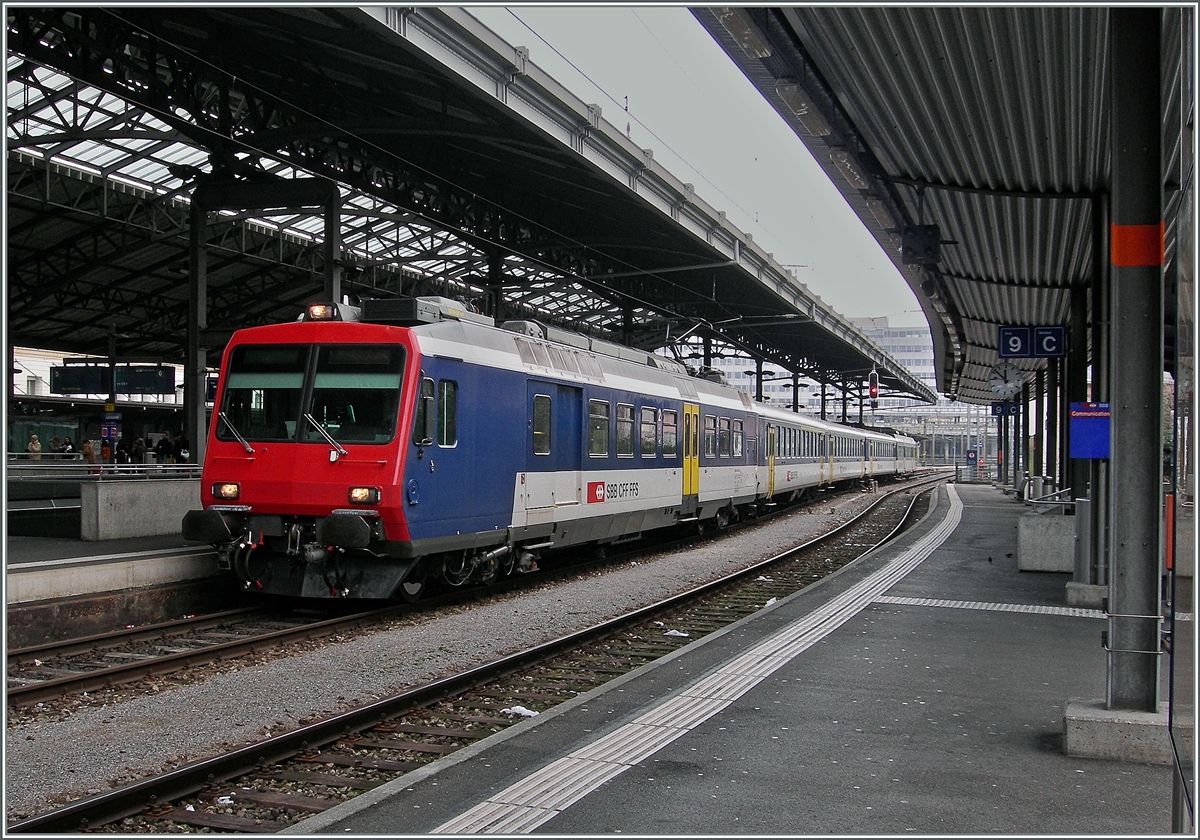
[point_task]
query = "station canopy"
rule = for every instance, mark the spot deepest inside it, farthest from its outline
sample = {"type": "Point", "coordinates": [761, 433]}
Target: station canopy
{"type": "Point", "coordinates": [464, 171]}
{"type": "Point", "coordinates": [973, 142]}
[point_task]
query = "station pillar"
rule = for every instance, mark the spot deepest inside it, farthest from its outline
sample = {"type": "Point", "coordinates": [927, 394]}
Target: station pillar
{"type": "Point", "coordinates": [1136, 258]}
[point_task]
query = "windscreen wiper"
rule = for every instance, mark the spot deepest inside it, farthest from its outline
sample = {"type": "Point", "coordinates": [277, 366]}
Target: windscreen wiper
{"type": "Point", "coordinates": [229, 425]}
{"type": "Point", "coordinates": [333, 456]}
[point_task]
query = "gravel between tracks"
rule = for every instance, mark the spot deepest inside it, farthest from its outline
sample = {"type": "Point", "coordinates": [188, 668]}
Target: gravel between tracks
{"type": "Point", "coordinates": [98, 748]}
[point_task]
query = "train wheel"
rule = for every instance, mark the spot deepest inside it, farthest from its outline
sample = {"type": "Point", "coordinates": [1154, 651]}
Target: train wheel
{"type": "Point", "coordinates": [722, 519]}
{"type": "Point", "coordinates": [412, 590]}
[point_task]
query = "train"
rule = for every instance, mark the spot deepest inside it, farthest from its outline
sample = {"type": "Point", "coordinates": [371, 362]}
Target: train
{"type": "Point", "coordinates": [368, 450]}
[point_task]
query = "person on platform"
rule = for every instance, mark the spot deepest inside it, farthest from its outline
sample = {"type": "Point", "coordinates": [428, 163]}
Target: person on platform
{"type": "Point", "coordinates": [138, 451]}
{"type": "Point", "coordinates": [163, 449]}
{"type": "Point", "coordinates": [55, 446]}
{"type": "Point", "coordinates": [34, 448]}
{"type": "Point", "coordinates": [181, 450]}
{"type": "Point", "coordinates": [88, 451]}
{"type": "Point", "coordinates": [68, 448]}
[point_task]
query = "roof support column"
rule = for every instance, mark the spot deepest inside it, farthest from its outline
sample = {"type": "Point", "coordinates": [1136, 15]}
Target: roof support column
{"type": "Point", "coordinates": [1053, 392]}
{"type": "Point", "coordinates": [1077, 476]}
{"type": "Point", "coordinates": [1136, 256]}
{"type": "Point", "coordinates": [195, 427]}
{"type": "Point", "coordinates": [1038, 467]}
{"type": "Point", "coordinates": [1026, 455]}
{"type": "Point", "coordinates": [495, 283]}
{"type": "Point", "coordinates": [1101, 317]}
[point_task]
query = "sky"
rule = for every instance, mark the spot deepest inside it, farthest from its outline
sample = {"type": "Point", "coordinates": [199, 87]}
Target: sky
{"type": "Point", "coordinates": [656, 70]}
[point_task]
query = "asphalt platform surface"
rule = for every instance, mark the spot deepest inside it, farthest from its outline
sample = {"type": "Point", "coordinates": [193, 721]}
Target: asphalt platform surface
{"type": "Point", "coordinates": [918, 691]}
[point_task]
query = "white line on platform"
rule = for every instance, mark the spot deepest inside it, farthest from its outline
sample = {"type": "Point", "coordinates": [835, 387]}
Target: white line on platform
{"type": "Point", "coordinates": [524, 806]}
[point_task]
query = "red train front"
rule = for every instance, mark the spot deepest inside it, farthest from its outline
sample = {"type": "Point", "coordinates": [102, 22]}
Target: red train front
{"type": "Point", "coordinates": [305, 451]}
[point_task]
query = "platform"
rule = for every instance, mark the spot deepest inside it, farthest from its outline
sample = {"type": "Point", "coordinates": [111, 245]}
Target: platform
{"type": "Point", "coordinates": [920, 690]}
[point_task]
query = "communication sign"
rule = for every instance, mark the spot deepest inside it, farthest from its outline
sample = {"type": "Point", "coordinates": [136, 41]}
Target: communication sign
{"type": "Point", "coordinates": [1090, 429]}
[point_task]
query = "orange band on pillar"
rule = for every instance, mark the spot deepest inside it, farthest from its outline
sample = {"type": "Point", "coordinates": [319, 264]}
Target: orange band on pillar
{"type": "Point", "coordinates": [1136, 245]}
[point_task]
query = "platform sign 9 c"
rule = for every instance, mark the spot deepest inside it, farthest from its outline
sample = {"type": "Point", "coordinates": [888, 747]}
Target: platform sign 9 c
{"type": "Point", "coordinates": [1032, 342]}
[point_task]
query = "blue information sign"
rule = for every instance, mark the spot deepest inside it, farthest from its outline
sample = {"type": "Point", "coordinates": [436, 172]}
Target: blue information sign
{"type": "Point", "coordinates": [1049, 341]}
{"type": "Point", "coordinates": [1032, 342]}
{"type": "Point", "coordinates": [1089, 425]}
{"type": "Point", "coordinates": [1014, 343]}
{"type": "Point", "coordinates": [1006, 409]}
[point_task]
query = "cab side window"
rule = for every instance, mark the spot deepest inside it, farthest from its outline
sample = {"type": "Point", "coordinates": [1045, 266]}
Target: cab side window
{"type": "Point", "coordinates": [541, 424]}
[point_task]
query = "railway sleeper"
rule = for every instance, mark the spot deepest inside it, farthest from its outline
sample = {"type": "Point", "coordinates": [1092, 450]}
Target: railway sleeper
{"type": "Point", "coordinates": [285, 801]}
{"type": "Point", "coordinates": [220, 822]}
{"type": "Point", "coordinates": [336, 759]}
{"type": "Point", "coordinates": [327, 779]}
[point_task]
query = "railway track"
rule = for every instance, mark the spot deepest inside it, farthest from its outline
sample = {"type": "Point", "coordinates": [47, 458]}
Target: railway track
{"type": "Point", "coordinates": [56, 670]}
{"type": "Point", "coordinates": [264, 787]}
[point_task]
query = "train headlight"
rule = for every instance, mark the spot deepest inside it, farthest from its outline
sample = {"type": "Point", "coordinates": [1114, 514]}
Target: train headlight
{"type": "Point", "coordinates": [364, 495]}
{"type": "Point", "coordinates": [322, 312]}
{"type": "Point", "coordinates": [228, 491]}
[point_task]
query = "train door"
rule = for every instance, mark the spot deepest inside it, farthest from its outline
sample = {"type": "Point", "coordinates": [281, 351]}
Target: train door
{"type": "Point", "coordinates": [554, 443]}
{"type": "Point", "coordinates": [825, 472]}
{"type": "Point", "coordinates": [770, 460]}
{"type": "Point", "coordinates": [691, 457]}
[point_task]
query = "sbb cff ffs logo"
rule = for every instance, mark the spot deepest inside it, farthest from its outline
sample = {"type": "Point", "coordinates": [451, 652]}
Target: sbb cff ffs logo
{"type": "Point", "coordinates": [598, 491]}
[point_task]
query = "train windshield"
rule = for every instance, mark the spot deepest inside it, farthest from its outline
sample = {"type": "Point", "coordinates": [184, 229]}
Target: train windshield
{"type": "Point", "coordinates": [352, 391]}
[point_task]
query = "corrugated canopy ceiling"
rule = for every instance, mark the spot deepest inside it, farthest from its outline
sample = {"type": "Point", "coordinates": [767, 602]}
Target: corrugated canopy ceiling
{"type": "Point", "coordinates": [989, 122]}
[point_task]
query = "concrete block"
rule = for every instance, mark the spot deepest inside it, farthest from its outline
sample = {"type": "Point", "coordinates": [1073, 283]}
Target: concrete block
{"type": "Point", "coordinates": [136, 507]}
{"type": "Point", "coordinates": [1046, 543]}
{"type": "Point", "coordinates": [1092, 731]}
{"type": "Point", "coordinates": [1087, 595]}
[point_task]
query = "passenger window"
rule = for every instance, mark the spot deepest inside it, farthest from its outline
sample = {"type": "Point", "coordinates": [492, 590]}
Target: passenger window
{"type": "Point", "coordinates": [723, 437]}
{"type": "Point", "coordinates": [597, 428]}
{"type": "Point", "coordinates": [670, 432]}
{"type": "Point", "coordinates": [541, 424]}
{"type": "Point", "coordinates": [649, 435]}
{"type": "Point", "coordinates": [624, 431]}
{"type": "Point", "coordinates": [738, 437]}
{"type": "Point", "coordinates": [447, 413]}
{"type": "Point", "coordinates": [710, 436]}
